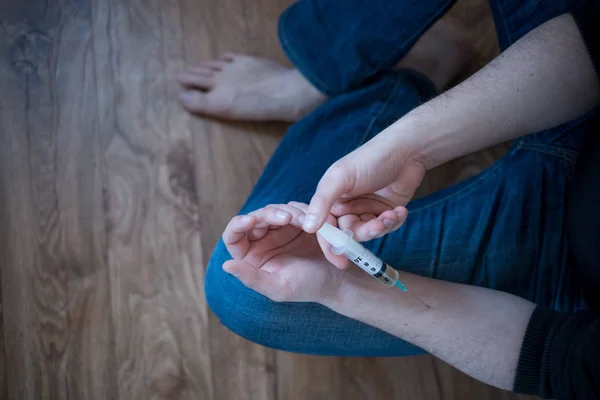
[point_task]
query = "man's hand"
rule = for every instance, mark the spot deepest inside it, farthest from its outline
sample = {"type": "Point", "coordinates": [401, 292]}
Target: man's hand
{"type": "Point", "coordinates": [545, 79]}
{"type": "Point", "coordinates": [478, 330]}
{"type": "Point", "coordinates": [275, 257]}
{"type": "Point", "coordinates": [368, 189]}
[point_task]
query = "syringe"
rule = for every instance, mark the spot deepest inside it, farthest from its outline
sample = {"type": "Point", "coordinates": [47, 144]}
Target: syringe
{"type": "Point", "coordinates": [343, 243]}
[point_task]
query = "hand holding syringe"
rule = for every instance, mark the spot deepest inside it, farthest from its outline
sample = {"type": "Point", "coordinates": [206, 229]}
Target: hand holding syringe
{"type": "Point", "coordinates": [342, 243]}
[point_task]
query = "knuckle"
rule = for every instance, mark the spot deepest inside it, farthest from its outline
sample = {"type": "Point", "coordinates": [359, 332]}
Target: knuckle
{"type": "Point", "coordinates": [337, 170]}
{"type": "Point", "coordinates": [340, 173]}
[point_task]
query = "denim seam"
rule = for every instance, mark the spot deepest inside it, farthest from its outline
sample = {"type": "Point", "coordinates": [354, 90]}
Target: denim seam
{"type": "Point", "coordinates": [561, 152]}
{"type": "Point", "coordinates": [383, 108]}
{"type": "Point", "coordinates": [288, 49]}
{"type": "Point", "coordinates": [465, 190]}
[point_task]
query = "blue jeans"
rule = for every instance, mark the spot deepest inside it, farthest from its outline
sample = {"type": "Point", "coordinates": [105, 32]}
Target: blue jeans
{"type": "Point", "coordinates": [502, 229]}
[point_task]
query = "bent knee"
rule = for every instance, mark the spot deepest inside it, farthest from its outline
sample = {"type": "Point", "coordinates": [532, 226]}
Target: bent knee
{"type": "Point", "coordinates": [240, 309]}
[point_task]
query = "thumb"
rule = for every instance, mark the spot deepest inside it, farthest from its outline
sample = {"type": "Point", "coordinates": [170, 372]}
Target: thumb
{"type": "Point", "coordinates": [337, 181]}
{"type": "Point", "coordinates": [257, 279]}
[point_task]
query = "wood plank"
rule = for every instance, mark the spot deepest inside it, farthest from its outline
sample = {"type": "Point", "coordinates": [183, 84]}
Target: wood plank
{"type": "Point", "coordinates": [230, 158]}
{"type": "Point", "coordinates": [158, 305]}
{"type": "Point", "coordinates": [54, 282]}
{"type": "Point", "coordinates": [3, 383]}
{"type": "Point", "coordinates": [310, 377]}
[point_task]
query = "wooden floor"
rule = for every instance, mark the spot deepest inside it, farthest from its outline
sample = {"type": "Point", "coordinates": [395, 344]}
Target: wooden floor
{"type": "Point", "coordinates": [112, 197]}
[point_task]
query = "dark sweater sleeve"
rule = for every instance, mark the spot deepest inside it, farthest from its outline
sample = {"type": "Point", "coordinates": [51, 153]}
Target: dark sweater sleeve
{"type": "Point", "coordinates": [560, 356]}
{"type": "Point", "coordinates": [587, 17]}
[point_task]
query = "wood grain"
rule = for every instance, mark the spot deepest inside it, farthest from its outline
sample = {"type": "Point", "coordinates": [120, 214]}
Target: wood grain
{"type": "Point", "coordinates": [54, 281]}
{"type": "Point", "coordinates": [230, 158]}
{"type": "Point", "coordinates": [154, 253]}
{"type": "Point", "coordinates": [112, 199]}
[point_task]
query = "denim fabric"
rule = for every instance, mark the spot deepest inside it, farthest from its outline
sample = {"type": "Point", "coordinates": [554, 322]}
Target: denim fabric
{"type": "Point", "coordinates": [514, 18]}
{"type": "Point", "coordinates": [502, 229]}
{"type": "Point", "coordinates": [340, 44]}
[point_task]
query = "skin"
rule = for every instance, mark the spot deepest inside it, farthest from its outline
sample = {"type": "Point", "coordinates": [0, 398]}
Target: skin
{"type": "Point", "coordinates": [237, 86]}
{"type": "Point", "coordinates": [545, 79]}
{"type": "Point", "coordinates": [466, 326]}
{"type": "Point", "coordinates": [530, 87]}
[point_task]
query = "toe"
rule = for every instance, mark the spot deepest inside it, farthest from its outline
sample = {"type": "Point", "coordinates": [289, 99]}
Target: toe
{"type": "Point", "coordinates": [193, 100]}
{"type": "Point", "coordinates": [204, 71]}
{"type": "Point", "coordinates": [196, 80]}
{"type": "Point", "coordinates": [214, 65]}
{"type": "Point", "coordinates": [202, 103]}
{"type": "Point", "coordinates": [227, 57]}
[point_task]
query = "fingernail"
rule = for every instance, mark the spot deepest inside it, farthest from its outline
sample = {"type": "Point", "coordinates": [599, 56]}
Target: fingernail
{"type": "Point", "coordinates": [231, 271]}
{"type": "Point", "coordinates": [301, 219]}
{"type": "Point", "coordinates": [245, 219]}
{"type": "Point", "coordinates": [373, 233]}
{"type": "Point", "coordinates": [310, 222]}
{"type": "Point", "coordinates": [281, 215]}
{"type": "Point", "coordinates": [189, 96]}
{"type": "Point", "coordinates": [389, 223]}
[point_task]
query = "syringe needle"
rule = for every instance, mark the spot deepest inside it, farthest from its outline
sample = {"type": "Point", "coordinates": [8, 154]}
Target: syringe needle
{"type": "Point", "coordinates": [416, 297]}
{"type": "Point", "coordinates": [404, 289]}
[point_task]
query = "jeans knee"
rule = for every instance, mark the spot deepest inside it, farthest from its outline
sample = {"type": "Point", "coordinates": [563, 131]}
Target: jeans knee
{"type": "Point", "coordinates": [240, 309]}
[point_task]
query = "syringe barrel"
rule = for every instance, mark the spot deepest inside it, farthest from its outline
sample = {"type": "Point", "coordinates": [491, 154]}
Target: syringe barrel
{"type": "Point", "coordinates": [343, 243]}
{"type": "Point", "coordinates": [370, 263]}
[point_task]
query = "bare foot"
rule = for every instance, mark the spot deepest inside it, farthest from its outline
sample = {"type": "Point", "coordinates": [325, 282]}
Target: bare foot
{"type": "Point", "coordinates": [441, 53]}
{"type": "Point", "coordinates": [247, 88]}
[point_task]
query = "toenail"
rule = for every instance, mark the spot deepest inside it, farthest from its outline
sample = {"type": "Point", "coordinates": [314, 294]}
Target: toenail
{"type": "Point", "coordinates": [189, 97]}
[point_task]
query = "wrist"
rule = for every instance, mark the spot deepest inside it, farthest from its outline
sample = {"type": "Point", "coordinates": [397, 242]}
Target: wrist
{"type": "Point", "coordinates": [349, 290]}
{"type": "Point", "coordinates": [365, 299]}
{"type": "Point", "coordinates": [356, 294]}
{"type": "Point", "coordinates": [416, 136]}
{"type": "Point", "coordinates": [423, 138]}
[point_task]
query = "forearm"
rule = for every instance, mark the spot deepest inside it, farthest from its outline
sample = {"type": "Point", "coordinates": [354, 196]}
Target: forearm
{"type": "Point", "coordinates": [544, 79]}
{"type": "Point", "coordinates": [477, 330]}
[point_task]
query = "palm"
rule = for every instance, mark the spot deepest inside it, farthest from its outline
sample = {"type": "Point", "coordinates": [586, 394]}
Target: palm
{"type": "Point", "coordinates": [296, 260]}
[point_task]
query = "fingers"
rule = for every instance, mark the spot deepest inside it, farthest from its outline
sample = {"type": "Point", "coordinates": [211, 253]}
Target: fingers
{"type": "Point", "coordinates": [271, 215]}
{"type": "Point", "coordinates": [366, 227]}
{"type": "Point", "coordinates": [244, 229]}
{"type": "Point", "coordinates": [360, 205]}
{"type": "Point", "coordinates": [257, 279]}
{"type": "Point", "coordinates": [297, 210]}
{"type": "Point", "coordinates": [336, 182]}
{"type": "Point", "coordinates": [257, 234]}
{"type": "Point", "coordinates": [234, 235]}
{"type": "Point", "coordinates": [338, 260]}
{"type": "Point", "coordinates": [202, 80]}
{"type": "Point", "coordinates": [302, 207]}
